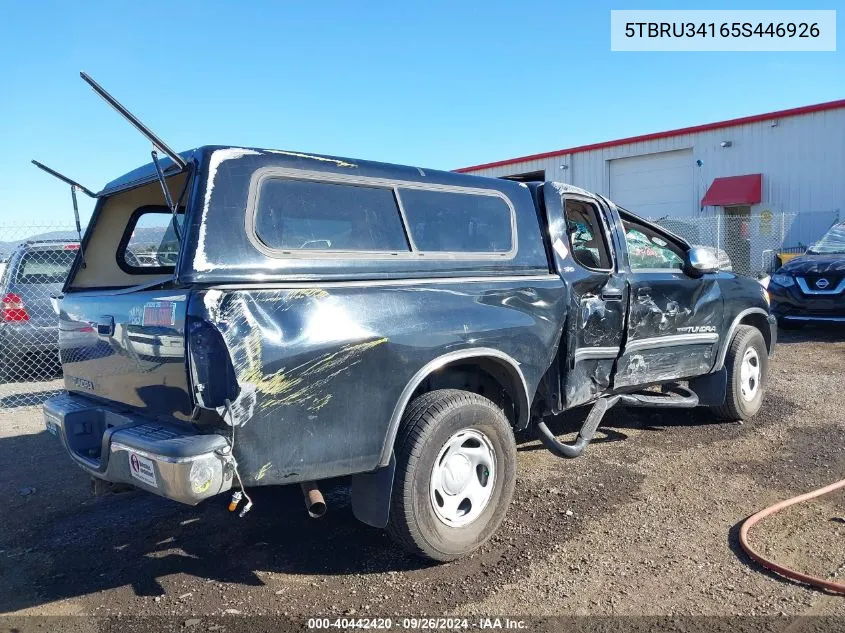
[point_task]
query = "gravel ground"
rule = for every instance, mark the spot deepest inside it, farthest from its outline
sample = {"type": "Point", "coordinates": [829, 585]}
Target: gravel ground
{"type": "Point", "coordinates": [645, 522]}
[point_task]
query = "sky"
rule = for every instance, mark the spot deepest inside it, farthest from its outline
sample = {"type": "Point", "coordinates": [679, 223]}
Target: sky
{"type": "Point", "coordinates": [433, 84]}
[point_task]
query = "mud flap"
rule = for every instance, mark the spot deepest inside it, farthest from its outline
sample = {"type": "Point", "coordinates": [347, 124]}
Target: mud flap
{"type": "Point", "coordinates": [711, 389]}
{"type": "Point", "coordinates": [371, 495]}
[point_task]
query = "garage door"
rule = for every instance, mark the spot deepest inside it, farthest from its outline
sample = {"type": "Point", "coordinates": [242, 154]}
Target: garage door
{"type": "Point", "coordinates": [654, 185]}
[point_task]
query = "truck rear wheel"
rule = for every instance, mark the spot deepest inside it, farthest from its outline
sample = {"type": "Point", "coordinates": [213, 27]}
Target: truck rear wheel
{"type": "Point", "coordinates": [455, 474]}
{"type": "Point", "coordinates": [747, 364]}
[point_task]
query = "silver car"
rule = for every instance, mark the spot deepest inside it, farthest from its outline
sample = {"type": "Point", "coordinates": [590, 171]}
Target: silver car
{"type": "Point", "coordinates": [29, 326]}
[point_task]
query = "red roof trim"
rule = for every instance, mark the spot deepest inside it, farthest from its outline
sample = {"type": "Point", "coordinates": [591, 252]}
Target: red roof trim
{"type": "Point", "coordinates": [819, 107]}
{"type": "Point", "coordinates": [733, 190]}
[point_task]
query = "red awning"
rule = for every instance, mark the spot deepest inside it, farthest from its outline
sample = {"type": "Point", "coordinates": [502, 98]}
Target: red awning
{"type": "Point", "coordinates": [733, 190]}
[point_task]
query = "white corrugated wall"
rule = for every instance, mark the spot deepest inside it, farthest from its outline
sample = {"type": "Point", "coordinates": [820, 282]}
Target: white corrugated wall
{"type": "Point", "coordinates": [802, 159]}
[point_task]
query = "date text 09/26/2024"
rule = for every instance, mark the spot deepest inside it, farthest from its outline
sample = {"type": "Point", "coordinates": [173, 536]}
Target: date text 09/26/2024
{"type": "Point", "coordinates": [417, 623]}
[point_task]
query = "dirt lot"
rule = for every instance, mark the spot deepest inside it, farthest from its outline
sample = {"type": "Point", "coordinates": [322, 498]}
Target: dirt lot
{"type": "Point", "coordinates": [645, 522]}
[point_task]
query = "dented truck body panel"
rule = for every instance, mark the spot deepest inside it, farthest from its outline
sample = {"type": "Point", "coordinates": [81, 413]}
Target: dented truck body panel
{"type": "Point", "coordinates": [320, 369]}
{"type": "Point", "coordinates": [597, 306]}
{"type": "Point", "coordinates": [673, 330]}
{"type": "Point", "coordinates": [304, 362]}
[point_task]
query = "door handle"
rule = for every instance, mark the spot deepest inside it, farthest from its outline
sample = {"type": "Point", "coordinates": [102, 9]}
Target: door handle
{"type": "Point", "coordinates": [105, 326]}
{"type": "Point", "coordinates": [611, 294]}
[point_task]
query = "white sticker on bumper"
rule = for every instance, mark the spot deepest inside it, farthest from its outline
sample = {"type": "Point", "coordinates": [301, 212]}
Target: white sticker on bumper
{"type": "Point", "coordinates": [143, 469]}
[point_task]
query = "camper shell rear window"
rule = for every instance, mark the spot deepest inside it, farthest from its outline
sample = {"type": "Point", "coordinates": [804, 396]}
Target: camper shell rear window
{"type": "Point", "coordinates": [149, 243]}
{"type": "Point", "coordinates": [294, 213]}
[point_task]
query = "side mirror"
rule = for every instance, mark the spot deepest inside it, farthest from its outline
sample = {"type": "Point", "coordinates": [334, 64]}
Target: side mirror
{"type": "Point", "coordinates": [701, 260]}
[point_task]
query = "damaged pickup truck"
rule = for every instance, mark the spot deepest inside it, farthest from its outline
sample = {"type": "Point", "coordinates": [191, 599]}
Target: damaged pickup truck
{"type": "Point", "coordinates": [247, 317]}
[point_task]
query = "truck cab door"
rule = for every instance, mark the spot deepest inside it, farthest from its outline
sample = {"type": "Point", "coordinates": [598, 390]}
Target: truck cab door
{"type": "Point", "coordinates": [674, 318]}
{"type": "Point", "coordinates": [585, 258]}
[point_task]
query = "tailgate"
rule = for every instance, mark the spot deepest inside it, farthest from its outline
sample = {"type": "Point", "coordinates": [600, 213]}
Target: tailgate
{"type": "Point", "coordinates": [127, 347]}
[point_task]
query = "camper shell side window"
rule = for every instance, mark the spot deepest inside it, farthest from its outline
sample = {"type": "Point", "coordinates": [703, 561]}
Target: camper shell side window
{"type": "Point", "coordinates": [296, 213]}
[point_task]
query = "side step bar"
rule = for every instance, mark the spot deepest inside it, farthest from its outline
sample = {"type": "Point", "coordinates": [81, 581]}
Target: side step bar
{"type": "Point", "coordinates": [673, 395]}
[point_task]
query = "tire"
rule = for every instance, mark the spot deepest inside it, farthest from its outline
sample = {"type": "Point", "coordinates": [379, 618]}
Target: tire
{"type": "Point", "coordinates": [436, 429]}
{"type": "Point", "coordinates": [742, 402]}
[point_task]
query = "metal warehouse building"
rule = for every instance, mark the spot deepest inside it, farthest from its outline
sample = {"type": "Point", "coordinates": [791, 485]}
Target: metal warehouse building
{"type": "Point", "coordinates": [753, 185]}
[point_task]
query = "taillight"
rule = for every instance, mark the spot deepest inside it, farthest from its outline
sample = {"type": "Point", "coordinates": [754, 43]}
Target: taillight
{"type": "Point", "coordinates": [212, 374]}
{"type": "Point", "coordinates": [13, 308]}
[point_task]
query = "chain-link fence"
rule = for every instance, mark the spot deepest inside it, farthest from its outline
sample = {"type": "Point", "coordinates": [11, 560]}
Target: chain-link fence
{"type": "Point", "coordinates": [34, 260]}
{"type": "Point", "coordinates": [752, 242]}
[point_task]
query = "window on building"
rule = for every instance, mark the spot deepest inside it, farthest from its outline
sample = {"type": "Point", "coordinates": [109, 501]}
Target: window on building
{"type": "Point", "coordinates": [445, 221]}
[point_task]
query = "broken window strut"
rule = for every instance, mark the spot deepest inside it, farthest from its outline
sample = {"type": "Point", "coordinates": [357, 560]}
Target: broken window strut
{"type": "Point", "coordinates": [73, 187]}
{"type": "Point", "coordinates": [174, 208]}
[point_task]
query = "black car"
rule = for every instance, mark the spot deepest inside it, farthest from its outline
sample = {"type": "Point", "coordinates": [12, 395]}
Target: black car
{"type": "Point", "coordinates": [811, 288]}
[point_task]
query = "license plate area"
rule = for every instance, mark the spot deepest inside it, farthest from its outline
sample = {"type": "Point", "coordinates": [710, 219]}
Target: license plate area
{"type": "Point", "coordinates": [159, 314]}
{"type": "Point", "coordinates": [143, 469]}
{"type": "Point", "coordinates": [822, 305]}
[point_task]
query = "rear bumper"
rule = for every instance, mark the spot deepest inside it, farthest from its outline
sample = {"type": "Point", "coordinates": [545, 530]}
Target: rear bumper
{"type": "Point", "coordinates": [22, 338]}
{"type": "Point", "coordinates": [170, 460]}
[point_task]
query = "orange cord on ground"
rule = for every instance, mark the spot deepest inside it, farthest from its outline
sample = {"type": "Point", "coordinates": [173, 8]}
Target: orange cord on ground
{"type": "Point", "coordinates": [829, 585]}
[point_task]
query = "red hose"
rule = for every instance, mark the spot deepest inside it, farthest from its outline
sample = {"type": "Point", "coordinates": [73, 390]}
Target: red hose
{"type": "Point", "coordinates": [829, 585]}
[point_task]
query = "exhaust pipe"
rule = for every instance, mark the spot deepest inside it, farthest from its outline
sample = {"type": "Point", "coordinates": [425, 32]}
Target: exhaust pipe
{"type": "Point", "coordinates": [314, 501]}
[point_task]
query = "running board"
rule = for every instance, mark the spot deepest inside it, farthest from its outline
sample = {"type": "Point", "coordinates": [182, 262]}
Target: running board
{"type": "Point", "coordinates": [674, 396]}
{"type": "Point", "coordinates": [585, 435]}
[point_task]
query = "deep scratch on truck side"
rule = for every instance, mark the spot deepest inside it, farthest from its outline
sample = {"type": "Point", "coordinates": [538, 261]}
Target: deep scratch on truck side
{"type": "Point", "coordinates": [262, 472]}
{"type": "Point", "coordinates": [246, 320]}
{"type": "Point", "coordinates": [305, 384]}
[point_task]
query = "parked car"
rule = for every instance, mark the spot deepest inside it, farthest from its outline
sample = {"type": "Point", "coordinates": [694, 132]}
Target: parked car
{"type": "Point", "coordinates": [810, 288]}
{"type": "Point", "coordinates": [332, 317]}
{"type": "Point", "coordinates": [28, 325]}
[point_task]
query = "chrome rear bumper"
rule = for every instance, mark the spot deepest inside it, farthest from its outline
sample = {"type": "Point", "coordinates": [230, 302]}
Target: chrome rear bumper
{"type": "Point", "coordinates": [171, 460]}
